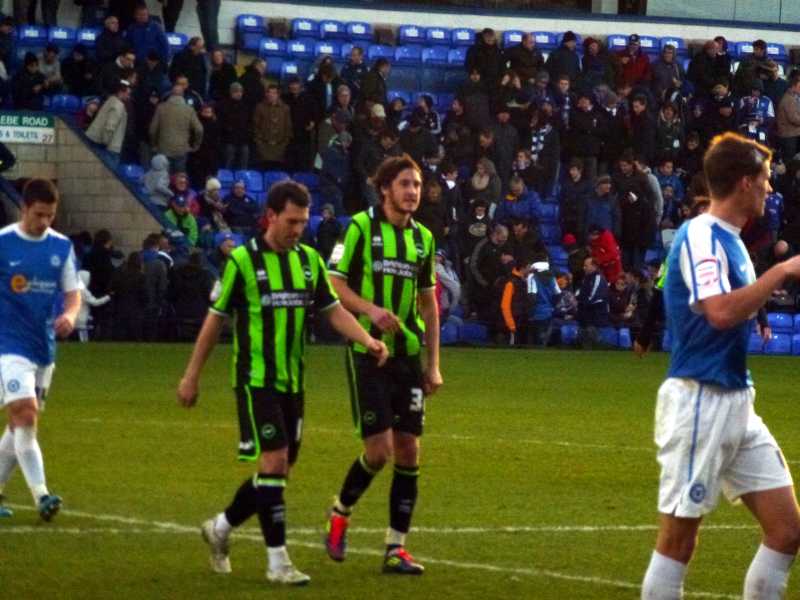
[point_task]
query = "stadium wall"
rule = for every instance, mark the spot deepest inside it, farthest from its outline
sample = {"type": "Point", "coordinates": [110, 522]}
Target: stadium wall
{"type": "Point", "coordinates": [92, 197]}
{"type": "Point", "coordinates": [586, 24]}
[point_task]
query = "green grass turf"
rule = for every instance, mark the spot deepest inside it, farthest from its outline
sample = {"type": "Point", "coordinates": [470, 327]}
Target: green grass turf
{"type": "Point", "coordinates": [514, 439]}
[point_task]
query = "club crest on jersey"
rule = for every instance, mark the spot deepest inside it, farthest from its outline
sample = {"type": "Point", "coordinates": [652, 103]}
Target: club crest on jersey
{"type": "Point", "coordinates": [377, 266]}
{"type": "Point", "coordinates": [13, 386]}
{"type": "Point", "coordinates": [377, 241]}
{"type": "Point", "coordinates": [420, 250]}
{"type": "Point", "coordinates": [55, 260]}
{"type": "Point", "coordinates": [307, 273]}
{"type": "Point", "coordinates": [266, 300]}
{"type": "Point", "coordinates": [697, 493]}
{"type": "Point", "coordinates": [19, 284]}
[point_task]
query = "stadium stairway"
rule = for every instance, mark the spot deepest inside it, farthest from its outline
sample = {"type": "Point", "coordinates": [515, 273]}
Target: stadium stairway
{"type": "Point", "coordinates": [93, 195]}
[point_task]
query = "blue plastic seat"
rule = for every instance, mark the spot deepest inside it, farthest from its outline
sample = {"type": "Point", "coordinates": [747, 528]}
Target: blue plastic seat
{"type": "Point", "coordinates": [551, 234]}
{"type": "Point", "coordinates": [438, 36]}
{"type": "Point", "coordinates": [275, 64]}
{"type": "Point", "coordinates": [332, 30]}
{"type": "Point", "coordinates": [462, 36]}
{"type": "Point", "coordinates": [608, 335]}
{"type": "Point", "coordinates": [474, 333]}
{"type": "Point", "coordinates": [625, 338]}
{"type": "Point", "coordinates": [132, 172]}
{"type": "Point", "coordinates": [569, 334]}
{"type": "Point", "coordinates": [406, 96]}
{"type": "Point", "coordinates": [650, 44]}
{"type": "Point", "coordinates": [547, 213]}
{"type": "Point", "coordinates": [797, 323]}
{"type": "Point", "coordinates": [777, 52]}
{"type": "Point", "coordinates": [249, 31]}
{"type": "Point", "coordinates": [30, 38]}
{"type": "Point", "coordinates": [176, 42]}
{"type": "Point", "coordinates": [344, 220]}
{"type": "Point", "coordinates": [616, 42]}
{"type": "Point", "coordinates": [310, 180]}
{"type": "Point", "coordinates": [65, 103]}
{"type": "Point", "coordinates": [780, 322]}
{"type": "Point", "coordinates": [545, 40]}
{"type": "Point", "coordinates": [313, 224]}
{"type": "Point", "coordinates": [557, 253]}
{"type": "Point", "coordinates": [512, 37]}
{"type": "Point", "coordinates": [435, 55]}
{"type": "Point", "coordinates": [272, 47]}
{"type": "Point", "coordinates": [408, 55]}
{"type": "Point", "coordinates": [302, 49]}
{"type": "Point", "coordinates": [755, 344]}
{"type": "Point", "coordinates": [796, 344]}
{"type": "Point", "coordinates": [411, 34]}
{"type": "Point", "coordinates": [304, 28]}
{"type": "Point", "coordinates": [376, 51]}
{"type": "Point", "coordinates": [253, 180]}
{"type": "Point", "coordinates": [444, 101]}
{"type": "Point", "coordinates": [290, 69]}
{"type": "Point", "coordinates": [652, 255]}
{"type": "Point", "coordinates": [779, 343]}
{"type": "Point", "coordinates": [88, 37]}
{"type": "Point", "coordinates": [63, 37]}
{"type": "Point", "coordinates": [328, 48]}
{"type": "Point", "coordinates": [449, 334]}
{"type": "Point", "coordinates": [743, 49]}
{"type": "Point", "coordinates": [273, 177]}
{"type": "Point", "coordinates": [679, 43]}
{"type": "Point", "coordinates": [225, 177]}
{"type": "Point", "coordinates": [456, 57]}
{"type": "Point", "coordinates": [359, 31]}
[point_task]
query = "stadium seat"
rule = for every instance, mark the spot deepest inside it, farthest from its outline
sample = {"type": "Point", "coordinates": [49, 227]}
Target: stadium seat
{"type": "Point", "coordinates": [176, 42]}
{"type": "Point", "coordinates": [625, 338]}
{"type": "Point", "coordinates": [545, 40]}
{"type": "Point", "coordinates": [65, 103]}
{"type": "Point", "coordinates": [557, 253]}
{"type": "Point", "coordinates": [225, 177]}
{"type": "Point", "coordinates": [344, 220]}
{"type": "Point", "coordinates": [253, 180]}
{"type": "Point", "coordinates": [679, 43]}
{"type": "Point", "coordinates": [272, 47]}
{"type": "Point", "coordinates": [608, 335]}
{"type": "Point", "coordinates": [797, 323]}
{"type": "Point", "coordinates": [310, 180]}
{"type": "Point", "coordinates": [463, 36]}
{"type": "Point", "coordinates": [779, 343]}
{"type": "Point", "coordinates": [652, 255]}
{"type": "Point", "coordinates": [755, 344]}
{"type": "Point", "coordinates": [290, 69]}
{"type": "Point", "coordinates": [131, 173]}
{"type": "Point", "coordinates": [408, 55]}
{"type": "Point", "coordinates": [449, 334]}
{"type": "Point", "coordinates": [304, 28]}
{"type": "Point", "coordinates": [474, 333]}
{"type": "Point", "coordinates": [617, 42]}
{"type": "Point", "coordinates": [435, 55]}
{"type": "Point", "coordinates": [249, 31]}
{"type": "Point", "coordinates": [551, 234]}
{"type": "Point", "coordinates": [512, 37]}
{"type": "Point", "coordinates": [456, 57]}
{"type": "Point", "coordinates": [796, 344]}
{"type": "Point", "coordinates": [377, 51]}
{"type": "Point", "coordinates": [300, 49]}
{"type": "Point", "coordinates": [332, 30]}
{"type": "Point", "coordinates": [438, 36]}
{"type": "Point", "coordinates": [358, 31]}
{"type": "Point", "coordinates": [777, 52]}
{"type": "Point", "coordinates": [547, 213]}
{"type": "Point", "coordinates": [743, 49]}
{"type": "Point", "coordinates": [650, 45]}
{"type": "Point", "coordinates": [273, 177]}
{"type": "Point", "coordinates": [63, 37]}
{"type": "Point", "coordinates": [406, 96]}
{"type": "Point", "coordinates": [30, 38]}
{"type": "Point", "coordinates": [444, 101]}
{"type": "Point", "coordinates": [411, 34]}
{"type": "Point", "coordinates": [569, 334]}
{"type": "Point", "coordinates": [328, 48]}
{"type": "Point", "coordinates": [313, 224]}
{"type": "Point", "coordinates": [88, 37]}
{"type": "Point", "coordinates": [780, 322]}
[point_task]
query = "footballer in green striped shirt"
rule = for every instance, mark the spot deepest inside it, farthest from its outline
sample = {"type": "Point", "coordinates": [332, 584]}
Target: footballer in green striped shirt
{"type": "Point", "coordinates": [269, 287]}
{"type": "Point", "coordinates": [383, 271]}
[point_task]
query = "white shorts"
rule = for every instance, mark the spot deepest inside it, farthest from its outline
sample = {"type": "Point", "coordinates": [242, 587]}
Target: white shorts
{"type": "Point", "coordinates": [710, 440]}
{"type": "Point", "coordinates": [21, 378]}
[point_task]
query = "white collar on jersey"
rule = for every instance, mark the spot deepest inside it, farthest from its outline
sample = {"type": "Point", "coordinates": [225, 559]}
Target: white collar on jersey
{"type": "Point", "coordinates": [28, 237]}
{"type": "Point", "coordinates": [721, 222]}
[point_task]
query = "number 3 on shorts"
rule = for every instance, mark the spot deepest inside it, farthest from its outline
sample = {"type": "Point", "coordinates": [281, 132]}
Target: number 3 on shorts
{"type": "Point", "coordinates": [416, 400]}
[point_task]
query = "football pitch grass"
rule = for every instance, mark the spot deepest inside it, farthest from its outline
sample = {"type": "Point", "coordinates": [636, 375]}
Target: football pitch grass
{"type": "Point", "coordinates": [538, 480]}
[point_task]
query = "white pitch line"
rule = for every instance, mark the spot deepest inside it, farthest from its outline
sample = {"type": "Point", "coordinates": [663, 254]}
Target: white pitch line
{"type": "Point", "coordinates": [47, 529]}
{"type": "Point", "coordinates": [525, 571]}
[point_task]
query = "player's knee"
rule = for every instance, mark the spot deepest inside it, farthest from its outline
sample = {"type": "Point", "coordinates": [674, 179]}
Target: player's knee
{"type": "Point", "coordinates": [378, 454]}
{"type": "Point", "coordinates": [786, 540]}
{"type": "Point", "coordinates": [678, 547]}
{"type": "Point", "coordinates": [406, 451]}
{"type": "Point", "coordinates": [24, 415]}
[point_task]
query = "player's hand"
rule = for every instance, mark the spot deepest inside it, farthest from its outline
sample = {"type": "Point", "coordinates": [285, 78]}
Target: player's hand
{"type": "Point", "coordinates": [431, 381]}
{"type": "Point", "coordinates": [385, 320]}
{"type": "Point", "coordinates": [641, 351]}
{"type": "Point", "coordinates": [187, 392]}
{"type": "Point", "coordinates": [379, 350]}
{"type": "Point", "coordinates": [791, 267]}
{"type": "Point", "coordinates": [64, 325]}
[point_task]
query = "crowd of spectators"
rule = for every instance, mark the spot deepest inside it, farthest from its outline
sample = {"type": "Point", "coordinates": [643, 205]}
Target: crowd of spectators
{"type": "Point", "coordinates": [613, 139]}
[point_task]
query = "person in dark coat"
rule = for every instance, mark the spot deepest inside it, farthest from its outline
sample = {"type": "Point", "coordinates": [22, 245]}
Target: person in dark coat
{"type": "Point", "coordinates": [642, 130]}
{"type": "Point", "coordinates": [707, 69]}
{"type": "Point", "coordinates": [223, 74]}
{"type": "Point", "coordinates": [432, 211]}
{"type": "Point", "coordinates": [304, 115]}
{"type": "Point", "coordinates": [189, 290]}
{"type": "Point", "coordinates": [373, 86]}
{"type": "Point", "coordinates": [565, 59]}
{"type": "Point", "coordinates": [152, 75]}
{"type": "Point", "coordinates": [602, 208]}
{"type": "Point", "coordinates": [524, 58]}
{"type": "Point", "coordinates": [205, 161]}
{"type": "Point", "coordinates": [123, 10]}
{"type": "Point", "coordinates": [545, 146]}
{"type": "Point", "coordinates": [191, 61]}
{"type": "Point", "coordinates": [111, 73]}
{"type": "Point", "coordinates": [587, 130]}
{"type": "Point", "coordinates": [486, 57]}
{"type": "Point", "coordinates": [322, 91]}
{"type": "Point", "coordinates": [252, 81]}
{"type": "Point", "coordinates": [335, 175]}
{"type": "Point", "coordinates": [99, 263]}
{"type": "Point", "coordinates": [474, 96]}
{"type": "Point", "coordinates": [241, 210]}
{"type": "Point", "coordinates": [329, 231]}
{"type": "Point", "coordinates": [354, 71]}
{"type": "Point", "coordinates": [417, 141]}
{"type": "Point", "coordinates": [110, 43]}
{"type": "Point", "coordinates": [80, 73]}
{"type": "Point", "coordinates": [575, 193]}
{"type": "Point", "coordinates": [506, 144]}
{"type": "Point", "coordinates": [234, 124]}
{"type": "Point", "coordinates": [637, 209]}
{"type": "Point", "coordinates": [29, 85]}
{"type": "Point", "coordinates": [616, 140]}
{"type": "Point", "coordinates": [597, 66]}
{"type": "Point", "coordinates": [129, 300]}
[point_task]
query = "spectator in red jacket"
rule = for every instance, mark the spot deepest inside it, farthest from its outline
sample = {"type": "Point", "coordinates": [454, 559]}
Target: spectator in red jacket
{"type": "Point", "coordinates": [605, 252]}
{"type": "Point", "coordinates": [634, 64]}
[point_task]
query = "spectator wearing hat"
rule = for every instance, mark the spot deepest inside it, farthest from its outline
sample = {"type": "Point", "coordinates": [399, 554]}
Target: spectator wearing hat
{"type": "Point", "coordinates": [637, 210]}
{"type": "Point", "coordinates": [145, 34]}
{"type": "Point", "coordinates": [597, 67]}
{"type": "Point", "coordinates": [224, 244]}
{"type": "Point", "coordinates": [108, 127]}
{"type": "Point", "coordinates": [634, 63]}
{"type": "Point", "coordinates": [212, 207]}
{"type": "Point", "coordinates": [175, 129]}
{"type": "Point", "coordinates": [756, 102]}
{"type": "Point", "coordinates": [524, 58]}
{"type": "Point", "coordinates": [602, 208]}
{"type": "Point", "coordinates": [354, 71]}
{"type": "Point", "coordinates": [669, 132]}
{"type": "Point", "coordinates": [667, 73]}
{"type": "Point", "coordinates": [335, 175]}
{"type": "Point", "coordinates": [206, 160]}
{"type": "Point", "coordinates": [788, 119]}
{"type": "Point", "coordinates": [180, 186]}
{"type": "Point", "coordinates": [234, 128]}
{"type": "Point", "coordinates": [110, 43]}
{"type": "Point", "coordinates": [750, 69]}
{"type": "Point", "coordinates": [156, 181]}
{"type": "Point", "coordinates": [575, 192]}
{"type": "Point", "coordinates": [80, 73]}
{"type": "Point", "coordinates": [272, 130]}
{"type": "Point", "coordinates": [486, 57]}
{"type": "Point", "coordinates": [303, 114]}
{"type": "Point", "coordinates": [373, 86]}
{"type": "Point", "coordinates": [181, 219]}
{"type": "Point", "coordinates": [241, 210]}
{"type": "Point", "coordinates": [191, 62]}
{"type": "Point", "coordinates": [565, 60]}
{"type": "Point", "coordinates": [708, 68]}
{"type": "Point", "coordinates": [223, 74]}
{"type": "Point", "coordinates": [587, 132]}
{"type": "Point", "coordinates": [546, 294]}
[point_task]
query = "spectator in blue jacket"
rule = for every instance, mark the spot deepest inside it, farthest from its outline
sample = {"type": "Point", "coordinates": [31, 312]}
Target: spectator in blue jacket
{"type": "Point", "coordinates": [519, 203]}
{"type": "Point", "coordinates": [773, 211]}
{"type": "Point", "coordinates": [602, 208]}
{"type": "Point", "coordinates": [145, 34]}
{"type": "Point", "coordinates": [334, 178]}
{"type": "Point", "coordinates": [542, 284]}
{"type": "Point", "coordinates": [241, 210]}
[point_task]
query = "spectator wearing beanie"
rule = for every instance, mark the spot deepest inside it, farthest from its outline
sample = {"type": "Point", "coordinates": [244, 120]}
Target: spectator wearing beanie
{"type": "Point", "coordinates": [564, 60]}
{"type": "Point", "coordinates": [597, 67]}
{"type": "Point", "coordinates": [156, 181]}
{"type": "Point", "coordinates": [212, 208]}
{"type": "Point", "coordinates": [181, 219]}
{"type": "Point", "coordinates": [634, 64]}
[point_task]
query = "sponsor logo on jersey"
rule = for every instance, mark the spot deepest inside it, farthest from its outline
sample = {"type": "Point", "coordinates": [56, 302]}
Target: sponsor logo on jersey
{"type": "Point", "coordinates": [261, 275]}
{"type": "Point", "coordinates": [19, 284]}
{"type": "Point", "coordinates": [369, 417]}
{"type": "Point", "coordinates": [420, 250]}
{"type": "Point", "coordinates": [398, 268]}
{"type": "Point", "coordinates": [307, 273]}
{"type": "Point", "coordinates": [377, 241]}
{"type": "Point", "coordinates": [337, 253]}
{"type": "Point", "coordinates": [286, 299]}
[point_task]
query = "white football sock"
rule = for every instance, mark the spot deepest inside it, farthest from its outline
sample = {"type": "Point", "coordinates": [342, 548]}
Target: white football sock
{"type": "Point", "coordinates": [663, 579]}
{"type": "Point", "coordinates": [8, 458]}
{"type": "Point", "coordinates": [221, 525]}
{"type": "Point", "coordinates": [278, 557]}
{"type": "Point", "coordinates": [395, 538]}
{"type": "Point", "coordinates": [766, 578]}
{"type": "Point", "coordinates": [29, 455]}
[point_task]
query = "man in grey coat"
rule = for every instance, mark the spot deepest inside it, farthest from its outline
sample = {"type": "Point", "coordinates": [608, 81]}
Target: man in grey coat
{"type": "Point", "coordinates": [175, 130]}
{"type": "Point", "coordinates": [108, 128]}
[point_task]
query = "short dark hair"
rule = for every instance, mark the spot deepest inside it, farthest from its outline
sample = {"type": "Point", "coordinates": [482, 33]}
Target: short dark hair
{"type": "Point", "coordinates": [729, 158]}
{"type": "Point", "coordinates": [151, 241]}
{"type": "Point", "coordinates": [390, 168]}
{"type": "Point", "coordinates": [39, 190]}
{"type": "Point", "coordinates": [287, 191]}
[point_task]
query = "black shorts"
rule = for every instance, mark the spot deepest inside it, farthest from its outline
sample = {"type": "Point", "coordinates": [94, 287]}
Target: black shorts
{"type": "Point", "coordinates": [388, 397]}
{"type": "Point", "coordinates": [268, 420]}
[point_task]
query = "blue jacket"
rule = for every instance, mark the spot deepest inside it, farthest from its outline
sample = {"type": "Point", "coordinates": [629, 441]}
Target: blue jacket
{"type": "Point", "coordinates": [144, 38]}
{"type": "Point", "coordinates": [773, 211]}
{"type": "Point", "coordinates": [547, 292]}
{"type": "Point", "coordinates": [602, 211]}
{"type": "Point", "coordinates": [672, 181]}
{"type": "Point", "coordinates": [526, 207]}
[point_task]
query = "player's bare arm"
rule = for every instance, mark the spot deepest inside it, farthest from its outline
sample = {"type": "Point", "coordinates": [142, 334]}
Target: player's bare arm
{"type": "Point", "coordinates": [188, 388]}
{"type": "Point", "coordinates": [346, 324]}
{"type": "Point", "coordinates": [65, 322]}
{"type": "Point", "coordinates": [383, 319]}
{"type": "Point", "coordinates": [429, 311]}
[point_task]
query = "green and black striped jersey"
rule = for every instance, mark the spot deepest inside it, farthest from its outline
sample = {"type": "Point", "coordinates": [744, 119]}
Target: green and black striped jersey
{"type": "Point", "coordinates": [388, 266]}
{"type": "Point", "coordinates": [270, 294]}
